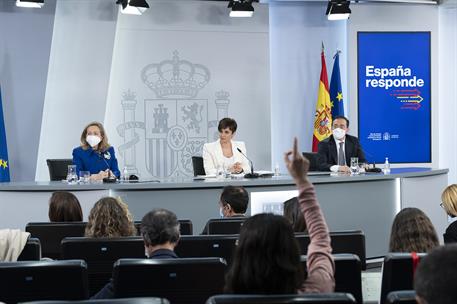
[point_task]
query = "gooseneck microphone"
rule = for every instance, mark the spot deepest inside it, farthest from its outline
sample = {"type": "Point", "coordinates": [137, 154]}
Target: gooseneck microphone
{"type": "Point", "coordinates": [110, 179]}
{"type": "Point", "coordinates": [252, 174]}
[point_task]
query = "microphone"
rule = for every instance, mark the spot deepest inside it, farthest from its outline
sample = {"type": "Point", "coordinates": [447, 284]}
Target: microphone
{"type": "Point", "coordinates": [109, 179]}
{"type": "Point", "coordinates": [373, 169]}
{"type": "Point", "coordinates": [252, 174]}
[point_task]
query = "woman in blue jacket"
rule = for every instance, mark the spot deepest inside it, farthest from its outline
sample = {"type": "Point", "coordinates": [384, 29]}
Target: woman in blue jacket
{"type": "Point", "coordinates": [95, 153]}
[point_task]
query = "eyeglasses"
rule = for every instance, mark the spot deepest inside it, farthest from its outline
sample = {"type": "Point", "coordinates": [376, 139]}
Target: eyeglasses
{"type": "Point", "coordinates": [441, 205]}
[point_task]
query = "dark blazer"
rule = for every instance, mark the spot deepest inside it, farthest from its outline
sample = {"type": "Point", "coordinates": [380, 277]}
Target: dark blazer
{"type": "Point", "coordinates": [450, 236]}
{"type": "Point", "coordinates": [107, 292]}
{"type": "Point", "coordinates": [328, 155]}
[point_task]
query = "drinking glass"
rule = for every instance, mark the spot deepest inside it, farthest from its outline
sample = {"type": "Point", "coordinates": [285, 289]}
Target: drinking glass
{"type": "Point", "coordinates": [84, 177]}
{"type": "Point", "coordinates": [72, 177]}
{"type": "Point", "coordinates": [354, 165]}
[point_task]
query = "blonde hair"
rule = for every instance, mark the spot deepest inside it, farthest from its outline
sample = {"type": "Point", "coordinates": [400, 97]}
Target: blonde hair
{"type": "Point", "coordinates": [449, 199]}
{"type": "Point", "coordinates": [103, 145]}
{"type": "Point", "coordinates": [110, 218]}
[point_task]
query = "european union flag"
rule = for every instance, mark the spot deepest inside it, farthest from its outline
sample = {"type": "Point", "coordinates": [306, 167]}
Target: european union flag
{"type": "Point", "coordinates": [336, 92]}
{"type": "Point", "coordinates": [4, 165]}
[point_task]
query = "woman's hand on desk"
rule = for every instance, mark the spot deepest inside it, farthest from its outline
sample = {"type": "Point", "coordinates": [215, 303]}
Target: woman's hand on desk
{"type": "Point", "coordinates": [101, 175]}
{"type": "Point", "coordinates": [236, 168]}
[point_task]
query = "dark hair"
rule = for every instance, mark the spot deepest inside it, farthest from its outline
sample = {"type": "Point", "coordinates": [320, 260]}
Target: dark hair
{"type": "Point", "coordinates": [225, 123]}
{"type": "Point", "coordinates": [342, 117]}
{"type": "Point", "coordinates": [160, 226]}
{"type": "Point", "coordinates": [435, 280]}
{"type": "Point", "coordinates": [64, 207]}
{"type": "Point", "coordinates": [411, 231]}
{"type": "Point", "coordinates": [267, 258]}
{"type": "Point", "coordinates": [293, 213]}
{"type": "Point", "coordinates": [110, 217]}
{"type": "Point", "coordinates": [237, 197]}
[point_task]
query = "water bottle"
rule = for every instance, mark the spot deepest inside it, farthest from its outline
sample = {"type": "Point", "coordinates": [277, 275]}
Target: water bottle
{"type": "Point", "coordinates": [277, 172]}
{"type": "Point", "coordinates": [125, 174]}
{"type": "Point", "coordinates": [386, 168]}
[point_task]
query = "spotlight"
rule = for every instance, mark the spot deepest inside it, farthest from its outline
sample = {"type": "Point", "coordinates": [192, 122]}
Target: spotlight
{"type": "Point", "coordinates": [338, 10]}
{"type": "Point", "coordinates": [133, 7]}
{"type": "Point", "coordinates": [30, 3]}
{"type": "Point", "coordinates": [241, 8]}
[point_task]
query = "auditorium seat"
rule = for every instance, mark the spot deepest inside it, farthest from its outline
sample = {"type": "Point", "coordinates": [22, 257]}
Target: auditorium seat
{"type": "Point", "coordinates": [51, 234]}
{"type": "Point", "coordinates": [100, 255]}
{"type": "Point", "coordinates": [221, 246]}
{"type": "Point", "coordinates": [185, 227]}
{"type": "Point", "coordinates": [58, 168]}
{"type": "Point", "coordinates": [348, 274]}
{"type": "Point", "coordinates": [323, 298]}
{"type": "Point", "coordinates": [197, 165]}
{"type": "Point", "coordinates": [31, 251]}
{"type": "Point", "coordinates": [180, 281]}
{"type": "Point", "coordinates": [397, 273]}
{"type": "Point", "coordinates": [350, 241]}
{"type": "Point", "coordinates": [114, 301]}
{"type": "Point", "coordinates": [401, 297]}
{"type": "Point", "coordinates": [43, 280]}
{"type": "Point", "coordinates": [231, 225]}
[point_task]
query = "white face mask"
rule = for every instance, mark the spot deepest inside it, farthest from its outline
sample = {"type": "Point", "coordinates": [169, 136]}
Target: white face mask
{"type": "Point", "coordinates": [146, 253]}
{"type": "Point", "coordinates": [339, 133]}
{"type": "Point", "coordinates": [93, 140]}
{"type": "Point", "coordinates": [221, 212]}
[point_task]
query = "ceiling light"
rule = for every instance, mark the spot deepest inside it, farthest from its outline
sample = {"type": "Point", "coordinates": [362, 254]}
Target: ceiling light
{"type": "Point", "coordinates": [338, 10]}
{"type": "Point", "coordinates": [241, 8]}
{"type": "Point", "coordinates": [30, 3]}
{"type": "Point", "coordinates": [133, 7]}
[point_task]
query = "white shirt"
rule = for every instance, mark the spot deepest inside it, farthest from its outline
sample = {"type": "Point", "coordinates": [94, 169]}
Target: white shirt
{"type": "Point", "coordinates": [213, 157]}
{"type": "Point", "coordinates": [335, 168]}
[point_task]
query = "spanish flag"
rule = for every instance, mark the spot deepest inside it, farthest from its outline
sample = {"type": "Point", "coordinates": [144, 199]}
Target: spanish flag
{"type": "Point", "coordinates": [323, 116]}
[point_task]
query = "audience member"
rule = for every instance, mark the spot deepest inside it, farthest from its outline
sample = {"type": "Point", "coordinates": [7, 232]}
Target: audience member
{"type": "Point", "coordinates": [12, 242]}
{"type": "Point", "coordinates": [160, 232]}
{"type": "Point", "coordinates": [435, 280]}
{"type": "Point", "coordinates": [111, 218]}
{"type": "Point", "coordinates": [64, 207]}
{"type": "Point", "coordinates": [233, 202]}
{"type": "Point", "coordinates": [267, 258]}
{"type": "Point", "coordinates": [412, 231]}
{"type": "Point", "coordinates": [449, 204]}
{"type": "Point", "coordinates": [293, 213]}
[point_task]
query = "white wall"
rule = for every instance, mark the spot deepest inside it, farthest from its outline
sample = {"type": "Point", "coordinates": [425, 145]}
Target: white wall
{"type": "Point", "coordinates": [79, 70]}
{"type": "Point", "coordinates": [25, 44]}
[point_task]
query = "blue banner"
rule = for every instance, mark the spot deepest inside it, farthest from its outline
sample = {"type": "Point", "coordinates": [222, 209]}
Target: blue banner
{"type": "Point", "coordinates": [394, 96]}
{"type": "Point", "coordinates": [336, 92]}
{"type": "Point", "coordinates": [4, 164]}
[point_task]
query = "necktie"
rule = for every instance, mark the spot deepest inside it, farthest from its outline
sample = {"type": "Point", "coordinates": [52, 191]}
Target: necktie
{"type": "Point", "coordinates": [341, 157]}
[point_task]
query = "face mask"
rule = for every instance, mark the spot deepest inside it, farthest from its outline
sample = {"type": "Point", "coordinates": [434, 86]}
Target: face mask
{"type": "Point", "coordinates": [93, 140]}
{"type": "Point", "coordinates": [221, 212]}
{"type": "Point", "coordinates": [146, 253]}
{"type": "Point", "coordinates": [339, 133]}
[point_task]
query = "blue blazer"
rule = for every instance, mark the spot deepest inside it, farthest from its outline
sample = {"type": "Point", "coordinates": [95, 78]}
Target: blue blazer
{"type": "Point", "coordinates": [93, 161]}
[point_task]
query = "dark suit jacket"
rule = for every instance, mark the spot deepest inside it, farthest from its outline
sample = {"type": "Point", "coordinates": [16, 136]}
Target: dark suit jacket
{"type": "Point", "coordinates": [107, 292]}
{"type": "Point", "coordinates": [450, 236]}
{"type": "Point", "coordinates": [328, 154]}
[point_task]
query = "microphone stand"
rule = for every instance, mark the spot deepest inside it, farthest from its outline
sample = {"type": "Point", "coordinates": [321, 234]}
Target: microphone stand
{"type": "Point", "coordinates": [110, 179]}
{"type": "Point", "coordinates": [252, 174]}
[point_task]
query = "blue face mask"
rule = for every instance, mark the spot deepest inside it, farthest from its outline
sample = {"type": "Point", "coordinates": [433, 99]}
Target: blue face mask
{"type": "Point", "coordinates": [221, 212]}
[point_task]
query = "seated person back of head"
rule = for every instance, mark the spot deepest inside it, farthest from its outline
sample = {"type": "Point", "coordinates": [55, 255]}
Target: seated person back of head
{"type": "Point", "coordinates": [412, 231]}
{"type": "Point", "coordinates": [293, 213]}
{"type": "Point", "coordinates": [233, 202]}
{"type": "Point", "coordinates": [435, 280]}
{"type": "Point", "coordinates": [64, 207]}
{"type": "Point", "coordinates": [160, 232]}
{"type": "Point", "coordinates": [449, 204]}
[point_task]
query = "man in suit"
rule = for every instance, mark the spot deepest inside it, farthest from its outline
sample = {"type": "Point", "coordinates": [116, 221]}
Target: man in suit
{"type": "Point", "coordinates": [160, 232]}
{"type": "Point", "coordinates": [336, 151]}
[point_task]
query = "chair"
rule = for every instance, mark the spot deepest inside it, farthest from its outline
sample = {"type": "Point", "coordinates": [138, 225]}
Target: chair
{"type": "Point", "coordinates": [323, 298]}
{"type": "Point", "coordinates": [185, 227]}
{"type": "Point", "coordinates": [43, 280]}
{"type": "Point", "coordinates": [397, 273]}
{"type": "Point", "coordinates": [100, 254]}
{"type": "Point", "coordinates": [114, 301]}
{"type": "Point", "coordinates": [230, 225]}
{"type": "Point", "coordinates": [58, 168]}
{"type": "Point", "coordinates": [350, 241]}
{"type": "Point", "coordinates": [313, 160]}
{"type": "Point", "coordinates": [221, 246]}
{"type": "Point", "coordinates": [179, 280]}
{"type": "Point", "coordinates": [348, 274]}
{"type": "Point", "coordinates": [401, 297]}
{"type": "Point", "coordinates": [31, 251]}
{"type": "Point", "coordinates": [197, 165]}
{"type": "Point", "coordinates": [51, 234]}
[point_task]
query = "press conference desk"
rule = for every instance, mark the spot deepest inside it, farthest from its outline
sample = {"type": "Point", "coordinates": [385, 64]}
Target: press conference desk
{"type": "Point", "coordinates": [367, 202]}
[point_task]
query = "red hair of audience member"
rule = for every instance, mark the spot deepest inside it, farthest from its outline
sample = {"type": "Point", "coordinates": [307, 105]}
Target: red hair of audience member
{"type": "Point", "coordinates": [64, 207]}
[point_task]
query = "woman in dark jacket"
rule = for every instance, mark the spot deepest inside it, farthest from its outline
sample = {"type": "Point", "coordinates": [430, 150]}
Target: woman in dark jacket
{"type": "Point", "coordinates": [449, 204]}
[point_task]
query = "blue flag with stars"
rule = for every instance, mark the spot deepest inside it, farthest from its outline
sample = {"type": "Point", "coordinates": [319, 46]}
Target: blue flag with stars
{"type": "Point", "coordinates": [4, 165]}
{"type": "Point", "coordinates": [336, 92]}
